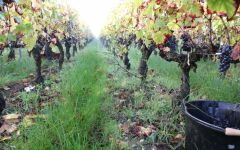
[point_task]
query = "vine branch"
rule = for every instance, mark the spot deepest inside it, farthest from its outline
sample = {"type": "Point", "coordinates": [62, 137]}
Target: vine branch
{"type": "Point", "coordinates": [210, 32]}
{"type": "Point", "coordinates": [226, 30]}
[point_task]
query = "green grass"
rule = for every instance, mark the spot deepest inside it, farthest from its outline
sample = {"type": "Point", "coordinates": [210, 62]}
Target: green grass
{"type": "Point", "coordinates": [29, 100]}
{"type": "Point", "coordinates": [15, 70]}
{"type": "Point", "coordinates": [78, 121]}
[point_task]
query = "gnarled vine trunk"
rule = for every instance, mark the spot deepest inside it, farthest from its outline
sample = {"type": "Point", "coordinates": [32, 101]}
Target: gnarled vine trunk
{"type": "Point", "coordinates": [186, 63]}
{"type": "Point", "coordinates": [184, 90]}
{"type": "Point", "coordinates": [48, 51]}
{"type": "Point", "coordinates": [38, 62]}
{"type": "Point", "coordinates": [126, 61]}
{"type": "Point", "coordinates": [79, 46]}
{"type": "Point", "coordinates": [74, 49]}
{"type": "Point", "coordinates": [68, 55]}
{"type": "Point", "coordinates": [61, 57]}
{"type": "Point", "coordinates": [2, 103]}
{"type": "Point", "coordinates": [11, 55]}
{"type": "Point", "coordinates": [143, 66]}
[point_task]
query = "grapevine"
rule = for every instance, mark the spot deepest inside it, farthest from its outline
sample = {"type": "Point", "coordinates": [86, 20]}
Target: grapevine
{"type": "Point", "coordinates": [184, 32]}
{"type": "Point", "coordinates": [32, 25]}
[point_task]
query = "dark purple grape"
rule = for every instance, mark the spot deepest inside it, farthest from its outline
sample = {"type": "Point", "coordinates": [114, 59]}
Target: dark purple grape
{"type": "Point", "coordinates": [152, 46]}
{"type": "Point", "coordinates": [225, 58]}
{"type": "Point", "coordinates": [187, 43]}
{"type": "Point", "coordinates": [139, 43]}
{"type": "Point", "coordinates": [171, 43]}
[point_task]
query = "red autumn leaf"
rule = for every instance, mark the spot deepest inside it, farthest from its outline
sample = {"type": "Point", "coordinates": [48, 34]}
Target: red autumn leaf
{"type": "Point", "coordinates": [236, 52]}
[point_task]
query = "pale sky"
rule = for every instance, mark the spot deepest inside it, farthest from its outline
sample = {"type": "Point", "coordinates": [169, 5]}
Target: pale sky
{"type": "Point", "coordinates": [94, 12]}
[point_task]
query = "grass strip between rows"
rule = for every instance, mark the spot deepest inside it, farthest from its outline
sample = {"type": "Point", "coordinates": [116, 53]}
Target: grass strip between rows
{"type": "Point", "coordinates": [78, 119]}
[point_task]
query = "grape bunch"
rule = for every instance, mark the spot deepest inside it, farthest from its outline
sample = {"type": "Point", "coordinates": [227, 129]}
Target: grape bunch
{"type": "Point", "coordinates": [152, 46]}
{"type": "Point", "coordinates": [120, 40]}
{"type": "Point", "coordinates": [171, 42]}
{"type": "Point", "coordinates": [8, 1]}
{"type": "Point", "coordinates": [225, 58]}
{"type": "Point", "coordinates": [187, 44]}
{"type": "Point", "coordinates": [132, 37]}
{"type": "Point", "coordinates": [139, 44]}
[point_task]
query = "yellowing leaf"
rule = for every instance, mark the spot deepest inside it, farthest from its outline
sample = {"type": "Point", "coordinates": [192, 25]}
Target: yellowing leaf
{"type": "Point", "coordinates": [158, 37]}
{"type": "Point", "coordinates": [30, 41]}
{"type": "Point", "coordinates": [173, 26]}
{"type": "Point", "coordinates": [139, 34]}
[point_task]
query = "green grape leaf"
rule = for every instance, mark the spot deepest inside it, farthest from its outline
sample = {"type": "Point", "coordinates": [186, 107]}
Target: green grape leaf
{"type": "Point", "coordinates": [222, 5]}
{"type": "Point", "coordinates": [195, 9]}
{"type": "Point", "coordinates": [149, 11]}
{"type": "Point", "coordinates": [159, 24]}
{"type": "Point", "coordinates": [11, 37]}
{"type": "Point", "coordinates": [3, 38]}
{"type": "Point", "coordinates": [24, 28]}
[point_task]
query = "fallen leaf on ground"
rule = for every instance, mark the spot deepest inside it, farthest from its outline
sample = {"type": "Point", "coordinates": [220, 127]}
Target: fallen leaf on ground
{"type": "Point", "coordinates": [11, 128]}
{"type": "Point", "coordinates": [145, 131]}
{"type": "Point", "coordinates": [142, 131]}
{"type": "Point", "coordinates": [3, 127]}
{"type": "Point", "coordinates": [179, 136]}
{"type": "Point", "coordinates": [47, 88]}
{"type": "Point", "coordinates": [123, 95]}
{"type": "Point", "coordinates": [5, 138]}
{"type": "Point", "coordinates": [11, 116]}
{"type": "Point", "coordinates": [31, 75]}
{"type": "Point", "coordinates": [8, 128]}
{"type": "Point", "coordinates": [121, 144]}
{"type": "Point", "coordinates": [29, 88]}
{"type": "Point", "coordinates": [24, 80]}
{"type": "Point", "coordinates": [25, 84]}
{"type": "Point", "coordinates": [124, 128]}
{"type": "Point", "coordinates": [6, 88]}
